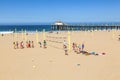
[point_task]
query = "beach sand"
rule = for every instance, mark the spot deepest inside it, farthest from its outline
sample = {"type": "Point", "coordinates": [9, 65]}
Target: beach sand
{"type": "Point", "coordinates": [52, 63]}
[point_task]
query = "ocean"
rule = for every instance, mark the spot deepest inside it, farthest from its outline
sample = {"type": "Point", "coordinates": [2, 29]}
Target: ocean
{"type": "Point", "coordinates": [19, 28]}
{"type": "Point", "coordinates": [47, 27]}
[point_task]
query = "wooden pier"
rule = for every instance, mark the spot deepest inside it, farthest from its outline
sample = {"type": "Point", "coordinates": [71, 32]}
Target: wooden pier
{"type": "Point", "coordinates": [61, 26]}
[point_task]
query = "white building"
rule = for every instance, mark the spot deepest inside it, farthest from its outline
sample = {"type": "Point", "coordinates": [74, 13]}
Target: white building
{"type": "Point", "coordinates": [60, 23]}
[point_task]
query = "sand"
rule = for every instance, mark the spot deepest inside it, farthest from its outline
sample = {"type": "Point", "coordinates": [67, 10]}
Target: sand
{"type": "Point", "coordinates": [52, 63]}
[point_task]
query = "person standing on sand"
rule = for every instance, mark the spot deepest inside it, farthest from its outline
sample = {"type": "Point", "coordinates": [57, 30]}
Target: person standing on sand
{"type": "Point", "coordinates": [2, 35]}
{"type": "Point", "coordinates": [21, 45]}
{"type": "Point", "coordinates": [83, 47]}
{"type": "Point", "coordinates": [44, 44]}
{"type": "Point", "coordinates": [75, 50]}
{"type": "Point", "coordinates": [66, 50]}
{"type": "Point", "coordinates": [64, 43]}
{"type": "Point", "coordinates": [14, 45]}
{"type": "Point", "coordinates": [40, 44]}
{"type": "Point", "coordinates": [17, 44]}
{"type": "Point", "coordinates": [27, 44]}
{"type": "Point", "coordinates": [32, 44]}
{"type": "Point", "coordinates": [73, 46]}
{"type": "Point", "coordinates": [79, 48]}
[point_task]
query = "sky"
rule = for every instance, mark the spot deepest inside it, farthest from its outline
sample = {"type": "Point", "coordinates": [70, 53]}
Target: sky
{"type": "Point", "coordinates": [36, 11]}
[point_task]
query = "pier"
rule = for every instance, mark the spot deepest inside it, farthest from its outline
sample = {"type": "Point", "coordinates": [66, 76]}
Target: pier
{"type": "Point", "coordinates": [84, 27]}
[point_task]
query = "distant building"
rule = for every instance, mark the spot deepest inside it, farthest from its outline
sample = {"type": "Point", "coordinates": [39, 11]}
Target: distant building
{"type": "Point", "coordinates": [58, 25]}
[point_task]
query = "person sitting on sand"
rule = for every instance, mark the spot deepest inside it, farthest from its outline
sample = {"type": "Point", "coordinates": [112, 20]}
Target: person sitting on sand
{"type": "Point", "coordinates": [32, 44]}
{"type": "Point", "coordinates": [66, 50]}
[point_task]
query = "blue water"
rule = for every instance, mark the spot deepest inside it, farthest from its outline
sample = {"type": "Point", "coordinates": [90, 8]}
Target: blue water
{"type": "Point", "coordinates": [24, 27]}
{"type": "Point", "coordinates": [47, 27]}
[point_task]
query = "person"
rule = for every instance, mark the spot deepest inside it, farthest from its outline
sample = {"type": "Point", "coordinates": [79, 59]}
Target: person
{"type": "Point", "coordinates": [17, 44]}
{"type": "Point", "coordinates": [2, 34]}
{"type": "Point", "coordinates": [40, 44]}
{"type": "Point", "coordinates": [73, 46]}
{"type": "Point", "coordinates": [21, 45]}
{"type": "Point", "coordinates": [66, 50]}
{"type": "Point", "coordinates": [64, 43]}
{"type": "Point", "coordinates": [14, 45]}
{"type": "Point", "coordinates": [83, 46]}
{"type": "Point", "coordinates": [27, 44]}
{"type": "Point", "coordinates": [79, 48]}
{"type": "Point", "coordinates": [44, 44]}
{"type": "Point", "coordinates": [75, 50]}
{"type": "Point", "coordinates": [32, 44]}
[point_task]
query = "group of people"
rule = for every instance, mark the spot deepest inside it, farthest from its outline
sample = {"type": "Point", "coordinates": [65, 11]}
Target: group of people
{"type": "Point", "coordinates": [29, 44]}
{"type": "Point", "coordinates": [44, 44]}
{"type": "Point", "coordinates": [78, 48]}
{"type": "Point", "coordinates": [20, 45]}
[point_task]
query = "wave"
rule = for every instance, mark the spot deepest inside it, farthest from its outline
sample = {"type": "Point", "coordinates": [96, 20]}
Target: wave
{"type": "Point", "coordinates": [6, 32]}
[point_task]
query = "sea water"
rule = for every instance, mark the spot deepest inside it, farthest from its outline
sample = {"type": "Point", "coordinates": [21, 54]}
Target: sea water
{"type": "Point", "coordinates": [47, 27]}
